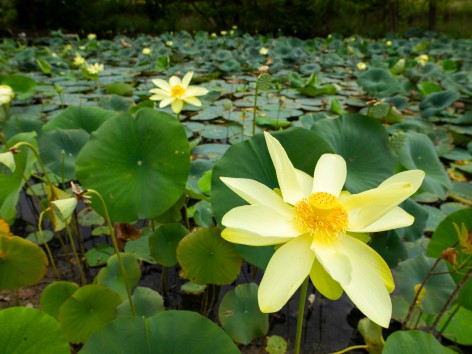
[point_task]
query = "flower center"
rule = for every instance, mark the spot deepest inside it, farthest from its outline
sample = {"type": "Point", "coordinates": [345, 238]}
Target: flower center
{"type": "Point", "coordinates": [321, 216]}
{"type": "Point", "coordinates": [177, 91]}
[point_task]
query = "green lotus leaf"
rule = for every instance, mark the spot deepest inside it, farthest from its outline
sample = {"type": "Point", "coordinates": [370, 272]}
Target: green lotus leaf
{"type": "Point", "coordinates": [112, 277]}
{"type": "Point", "coordinates": [23, 86]}
{"type": "Point", "coordinates": [416, 151]}
{"type": "Point", "coordinates": [81, 117]}
{"type": "Point", "coordinates": [169, 332]}
{"type": "Point", "coordinates": [54, 296]}
{"type": "Point", "coordinates": [139, 165]}
{"type": "Point", "coordinates": [362, 141]}
{"type": "Point", "coordinates": [22, 263]}
{"type": "Point", "coordinates": [163, 243]}
{"type": "Point", "coordinates": [414, 341]}
{"type": "Point", "coordinates": [147, 303]}
{"type": "Point", "coordinates": [87, 310]}
{"type": "Point", "coordinates": [240, 315]}
{"type": "Point", "coordinates": [460, 326]}
{"type": "Point", "coordinates": [31, 331]}
{"type": "Point", "coordinates": [206, 258]}
{"type": "Point", "coordinates": [438, 288]}
{"type": "Point", "coordinates": [379, 83]}
{"type": "Point", "coordinates": [59, 150]}
{"type": "Point", "coordinates": [436, 102]}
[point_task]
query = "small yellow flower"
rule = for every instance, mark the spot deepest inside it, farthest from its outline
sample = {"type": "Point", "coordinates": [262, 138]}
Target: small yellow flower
{"type": "Point", "coordinates": [223, 33]}
{"type": "Point", "coordinates": [422, 59]}
{"type": "Point", "coordinates": [315, 223]}
{"type": "Point", "coordinates": [94, 69]}
{"type": "Point", "coordinates": [263, 51]}
{"type": "Point", "coordinates": [146, 51]}
{"type": "Point", "coordinates": [79, 60]}
{"type": "Point", "coordinates": [234, 27]}
{"type": "Point", "coordinates": [177, 92]}
{"type": "Point", "coordinates": [91, 36]}
{"type": "Point", "coordinates": [361, 65]}
{"type": "Point", "coordinates": [169, 43]}
{"type": "Point", "coordinates": [213, 35]}
{"type": "Point", "coordinates": [6, 94]}
{"type": "Point", "coordinates": [388, 43]}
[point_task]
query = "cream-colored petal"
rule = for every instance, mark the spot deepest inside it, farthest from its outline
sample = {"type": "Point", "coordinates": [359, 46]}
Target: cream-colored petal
{"type": "Point", "coordinates": [286, 271]}
{"type": "Point", "coordinates": [186, 79]}
{"type": "Point", "coordinates": [305, 181]}
{"type": "Point", "coordinates": [330, 174]}
{"type": "Point", "coordinates": [177, 106]}
{"type": "Point", "coordinates": [286, 175]}
{"type": "Point", "coordinates": [322, 281]}
{"type": "Point", "coordinates": [255, 192]}
{"type": "Point", "coordinates": [394, 219]}
{"type": "Point", "coordinates": [162, 84]}
{"type": "Point", "coordinates": [193, 101]}
{"type": "Point", "coordinates": [160, 92]}
{"type": "Point", "coordinates": [415, 177]}
{"type": "Point", "coordinates": [332, 258]}
{"type": "Point", "coordinates": [195, 91]}
{"type": "Point", "coordinates": [368, 288]}
{"type": "Point", "coordinates": [166, 101]}
{"type": "Point", "coordinates": [250, 238]}
{"type": "Point", "coordinates": [174, 80]}
{"type": "Point", "coordinates": [375, 203]}
{"type": "Point", "coordinates": [158, 97]}
{"type": "Point", "coordinates": [262, 220]}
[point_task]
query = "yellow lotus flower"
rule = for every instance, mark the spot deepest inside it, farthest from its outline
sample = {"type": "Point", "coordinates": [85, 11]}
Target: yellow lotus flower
{"type": "Point", "coordinates": [95, 68]}
{"type": "Point", "coordinates": [177, 92]}
{"type": "Point", "coordinates": [361, 65]}
{"type": "Point", "coordinates": [6, 94]}
{"type": "Point", "coordinates": [315, 223]}
{"type": "Point", "coordinates": [263, 51]}
{"type": "Point", "coordinates": [169, 43]}
{"type": "Point", "coordinates": [79, 60]}
{"type": "Point", "coordinates": [422, 59]}
{"type": "Point", "coordinates": [146, 51]}
{"type": "Point", "coordinates": [388, 43]}
{"type": "Point", "coordinates": [91, 36]}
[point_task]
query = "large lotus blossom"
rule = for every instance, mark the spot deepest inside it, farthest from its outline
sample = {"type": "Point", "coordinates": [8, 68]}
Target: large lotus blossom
{"type": "Point", "coordinates": [6, 94]}
{"type": "Point", "coordinates": [176, 92]}
{"type": "Point", "coordinates": [316, 223]}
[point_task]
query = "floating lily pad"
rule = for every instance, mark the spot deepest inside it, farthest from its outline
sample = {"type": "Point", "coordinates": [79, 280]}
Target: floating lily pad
{"type": "Point", "coordinates": [147, 303]}
{"type": "Point", "coordinates": [240, 315]}
{"type": "Point", "coordinates": [163, 243]}
{"type": "Point", "coordinates": [169, 332]}
{"type": "Point", "coordinates": [139, 165]}
{"type": "Point", "coordinates": [87, 310]}
{"type": "Point", "coordinates": [55, 294]}
{"type": "Point", "coordinates": [414, 341]}
{"type": "Point", "coordinates": [22, 262]}
{"type": "Point", "coordinates": [99, 255]}
{"type": "Point", "coordinates": [79, 117]}
{"type": "Point", "coordinates": [378, 83]}
{"type": "Point", "coordinates": [30, 331]}
{"type": "Point", "coordinates": [436, 102]}
{"type": "Point", "coordinates": [206, 258]}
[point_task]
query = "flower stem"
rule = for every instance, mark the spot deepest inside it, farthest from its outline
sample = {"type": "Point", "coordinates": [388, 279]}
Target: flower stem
{"type": "Point", "coordinates": [115, 246]}
{"type": "Point", "coordinates": [362, 346]}
{"type": "Point", "coordinates": [300, 316]}
{"type": "Point", "coordinates": [48, 250]}
{"type": "Point", "coordinates": [35, 152]}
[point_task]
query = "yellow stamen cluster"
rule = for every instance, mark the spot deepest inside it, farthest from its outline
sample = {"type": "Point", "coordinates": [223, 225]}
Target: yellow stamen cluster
{"type": "Point", "coordinates": [177, 91]}
{"type": "Point", "coordinates": [321, 216]}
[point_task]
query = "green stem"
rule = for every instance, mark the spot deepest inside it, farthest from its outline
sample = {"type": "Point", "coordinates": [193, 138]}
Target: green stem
{"type": "Point", "coordinates": [255, 111]}
{"type": "Point", "coordinates": [363, 346]}
{"type": "Point", "coordinates": [48, 250]}
{"type": "Point", "coordinates": [300, 316]}
{"type": "Point", "coordinates": [76, 256]}
{"type": "Point", "coordinates": [35, 152]}
{"type": "Point", "coordinates": [115, 246]}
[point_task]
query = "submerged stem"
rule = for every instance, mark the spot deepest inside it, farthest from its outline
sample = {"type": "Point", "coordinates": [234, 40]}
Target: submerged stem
{"type": "Point", "coordinates": [300, 316]}
{"type": "Point", "coordinates": [115, 246]}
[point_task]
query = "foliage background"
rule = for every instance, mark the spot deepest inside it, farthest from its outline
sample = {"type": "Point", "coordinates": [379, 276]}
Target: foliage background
{"type": "Point", "coordinates": [298, 17]}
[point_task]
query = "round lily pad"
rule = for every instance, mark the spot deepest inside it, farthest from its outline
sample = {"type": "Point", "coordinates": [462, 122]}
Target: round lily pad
{"type": "Point", "coordinates": [169, 332]}
{"type": "Point", "coordinates": [139, 165]}
{"type": "Point", "coordinates": [22, 262]}
{"type": "Point", "coordinates": [240, 315]}
{"type": "Point", "coordinates": [31, 331]}
{"type": "Point", "coordinates": [163, 243]}
{"type": "Point", "coordinates": [147, 303]}
{"type": "Point", "coordinates": [55, 295]}
{"type": "Point", "coordinates": [378, 82]}
{"type": "Point", "coordinates": [206, 258]}
{"type": "Point", "coordinates": [87, 310]}
{"type": "Point", "coordinates": [437, 101]}
{"type": "Point", "coordinates": [414, 342]}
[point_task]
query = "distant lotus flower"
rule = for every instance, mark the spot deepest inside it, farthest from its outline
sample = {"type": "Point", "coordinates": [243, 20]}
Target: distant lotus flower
{"type": "Point", "coordinates": [213, 35]}
{"type": "Point", "coordinates": [6, 94]}
{"type": "Point", "coordinates": [234, 27]}
{"type": "Point", "coordinates": [315, 222]}
{"type": "Point", "coordinates": [388, 43]}
{"type": "Point", "coordinates": [94, 69]}
{"type": "Point", "coordinates": [79, 60]}
{"type": "Point", "coordinates": [224, 33]}
{"type": "Point", "coordinates": [361, 65]}
{"type": "Point", "coordinates": [422, 59]}
{"type": "Point", "coordinates": [146, 51]}
{"type": "Point", "coordinates": [177, 92]}
{"type": "Point", "coordinates": [263, 51]}
{"type": "Point", "coordinates": [91, 36]}
{"type": "Point", "coordinates": [169, 43]}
